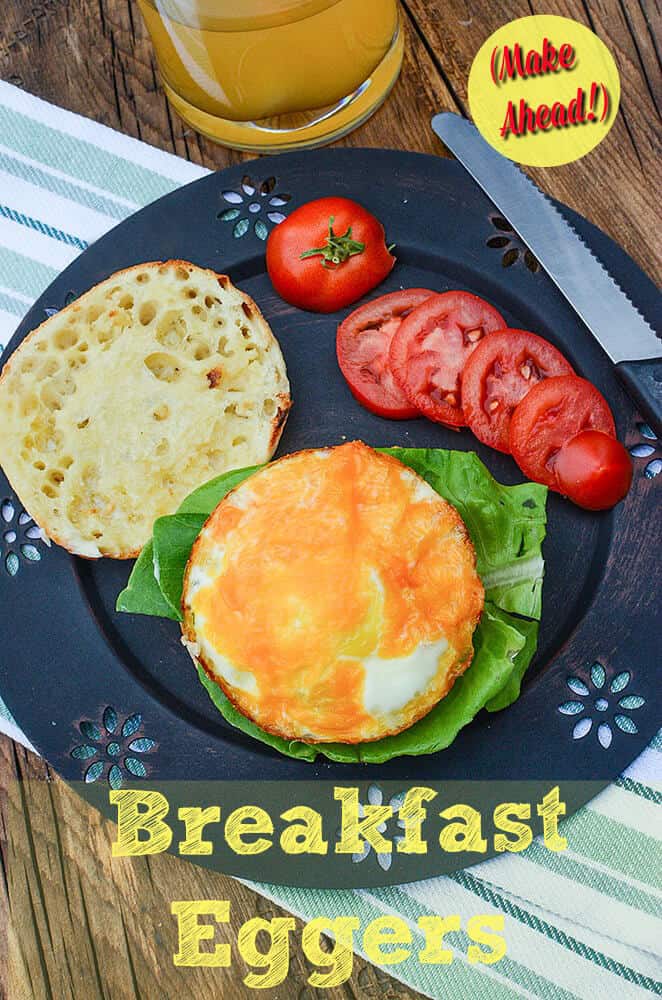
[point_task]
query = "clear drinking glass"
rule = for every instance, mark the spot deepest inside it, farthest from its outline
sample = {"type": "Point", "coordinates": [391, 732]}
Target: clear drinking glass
{"type": "Point", "coordinates": [270, 75]}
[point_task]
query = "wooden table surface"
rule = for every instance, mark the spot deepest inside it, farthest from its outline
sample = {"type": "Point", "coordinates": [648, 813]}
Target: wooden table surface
{"type": "Point", "coordinates": [79, 924]}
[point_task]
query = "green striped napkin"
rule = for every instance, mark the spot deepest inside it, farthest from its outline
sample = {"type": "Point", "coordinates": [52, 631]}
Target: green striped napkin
{"type": "Point", "coordinates": [582, 923]}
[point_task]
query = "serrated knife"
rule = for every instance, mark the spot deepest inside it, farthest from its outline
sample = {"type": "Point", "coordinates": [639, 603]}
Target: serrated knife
{"type": "Point", "coordinates": [604, 307]}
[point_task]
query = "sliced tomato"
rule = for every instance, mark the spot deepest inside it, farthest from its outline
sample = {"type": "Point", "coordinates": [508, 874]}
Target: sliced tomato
{"type": "Point", "coordinates": [362, 345]}
{"type": "Point", "coordinates": [548, 416]}
{"type": "Point", "coordinates": [429, 350]}
{"type": "Point", "coordinates": [498, 374]}
{"type": "Point", "coordinates": [593, 470]}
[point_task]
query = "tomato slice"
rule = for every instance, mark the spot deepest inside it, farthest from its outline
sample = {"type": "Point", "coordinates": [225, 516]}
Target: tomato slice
{"type": "Point", "coordinates": [593, 470]}
{"type": "Point", "coordinates": [429, 351]}
{"type": "Point", "coordinates": [362, 345]}
{"type": "Point", "coordinates": [548, 416]}
{"type": "Point", "coordinates": [498, 374]}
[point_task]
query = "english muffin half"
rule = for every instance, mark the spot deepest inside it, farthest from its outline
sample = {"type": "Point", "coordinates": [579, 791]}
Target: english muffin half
{"type": "Point", "coordinates": [114, 409]}
{"type": "Point", "coordinates": [333, 596]}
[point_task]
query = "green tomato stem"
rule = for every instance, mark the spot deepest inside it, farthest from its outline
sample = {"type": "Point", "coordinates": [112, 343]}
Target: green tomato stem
{"type": "Point", "coordinates": [337, 249]}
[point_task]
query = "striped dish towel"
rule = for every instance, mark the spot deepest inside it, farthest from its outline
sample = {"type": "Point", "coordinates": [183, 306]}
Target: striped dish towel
{"type": "Point", "coordinates": [582, 923]}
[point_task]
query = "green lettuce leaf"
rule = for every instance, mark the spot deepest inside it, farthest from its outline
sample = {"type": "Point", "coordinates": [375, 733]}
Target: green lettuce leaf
{"type": "Point", "coordinates": [292, 748]}
{"type": "Point", "coordinates": [506, 523]}
{"type": "Point", "coordinates": [173, 539]}
{"type": "Point", "coordinates": [206, 497]}
{"type": "Point", "coordinates": [142, 594]}
{"type": "Point", "coordinates": [511, 689]}
{"type": "Point", "coordinates": [155, 584]}
{"type": "Point", "coordinates": [507, 527]}
{"type": "Point", "coordinates": [502, 651]}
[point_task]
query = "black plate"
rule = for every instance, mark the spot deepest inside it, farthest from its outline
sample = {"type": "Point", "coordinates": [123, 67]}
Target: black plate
{"type": "Point", "coordinates": [69, 658]}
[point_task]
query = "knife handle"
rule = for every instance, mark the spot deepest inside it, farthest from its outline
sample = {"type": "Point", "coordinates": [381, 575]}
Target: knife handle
{"type": "Point", "coordinates": [643, 381]}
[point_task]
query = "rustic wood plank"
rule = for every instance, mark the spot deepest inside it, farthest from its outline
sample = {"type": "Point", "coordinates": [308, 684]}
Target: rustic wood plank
{"type": "Point", "coordinates": [83, 924]}
{"type": "Point", "coordinates": [66, 879]}
{"type": "Point", "coordinates": [614, 186]}
{"type": "Point", "coordinates": [50, 56]}
{"type": "Point", "coordinates": [644, 23]}
{"type": "Point", "coordinates": [47, 46]}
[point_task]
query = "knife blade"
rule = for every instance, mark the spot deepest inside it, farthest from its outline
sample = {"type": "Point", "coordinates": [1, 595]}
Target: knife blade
{"type": "Point", "coordinates": [611, 317]}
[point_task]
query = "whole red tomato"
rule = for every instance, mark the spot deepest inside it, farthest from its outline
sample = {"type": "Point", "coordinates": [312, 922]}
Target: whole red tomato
{"type": "Point", "coordinates": [327, 254]}
{"type": "Point", "coordinates": [594, 470]}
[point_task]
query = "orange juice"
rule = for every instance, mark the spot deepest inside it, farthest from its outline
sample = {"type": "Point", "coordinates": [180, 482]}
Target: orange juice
{"type": "Point", "coordinates": [275, 73]}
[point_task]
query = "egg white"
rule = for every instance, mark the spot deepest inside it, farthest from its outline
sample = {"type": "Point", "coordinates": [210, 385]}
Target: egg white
{"type": "Point", "coordinates": [394, 690]}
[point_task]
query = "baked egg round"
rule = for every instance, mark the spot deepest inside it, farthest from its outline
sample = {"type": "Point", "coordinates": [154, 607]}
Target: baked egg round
{"type": "Point", "coordinates": [333, 596]}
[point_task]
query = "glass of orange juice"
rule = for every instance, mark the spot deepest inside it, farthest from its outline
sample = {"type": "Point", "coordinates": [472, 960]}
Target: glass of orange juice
{"type": "Point", "coordinates": [270, 75]}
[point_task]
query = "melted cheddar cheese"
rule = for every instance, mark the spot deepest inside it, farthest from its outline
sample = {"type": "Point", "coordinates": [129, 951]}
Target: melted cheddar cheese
{"type": "Point", "coordinates": [333, 596]}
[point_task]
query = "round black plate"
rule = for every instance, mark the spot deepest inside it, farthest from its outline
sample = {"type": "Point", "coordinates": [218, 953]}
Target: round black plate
{"type": "Point", "coordinates": [70, 659]}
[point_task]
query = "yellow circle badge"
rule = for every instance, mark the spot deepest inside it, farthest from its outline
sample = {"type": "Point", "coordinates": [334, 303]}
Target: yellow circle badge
{"type": "Point", "coordinates": [544, 90]}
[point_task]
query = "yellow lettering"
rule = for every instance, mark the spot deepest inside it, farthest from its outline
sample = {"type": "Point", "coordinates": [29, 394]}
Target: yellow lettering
{"type": "Point", "coordinates": [355, 830]}
{"type": "Point", "coordinates": [550, 809]}
{"type": "Point", "coordinates": [140, 811]}
{"type": "Point", "coordinates": [413, 814]}
{"type": "Point", "coordinates": [191, 932]}
{"type": "Point", "coordinates": [245, 821]}
{"type": "Point", "coordinates": [522, 831]}
{"type": "Point", "coordinates": [276, 960]}
{"type": "Point", "coordinates": [340, 960]}
{"type": "Point", "coordinates": [305, 834]}
{"type": "Point", "coordinates": [495, 943]}
{"type": "Point", "coordinates": [465, 834]}
{"type": "Point", "coordinates": [384, 931]}
{"type": "Point", "coordinates": [434, 929]}
{"type": "Point", "coordinates": [196, 820]}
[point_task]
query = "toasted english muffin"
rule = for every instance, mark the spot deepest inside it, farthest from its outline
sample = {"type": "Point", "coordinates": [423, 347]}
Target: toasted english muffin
{"type": "Point", "coordinates": [114, 409]}
{"type": "Point", "coordinates": [333, 596]}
